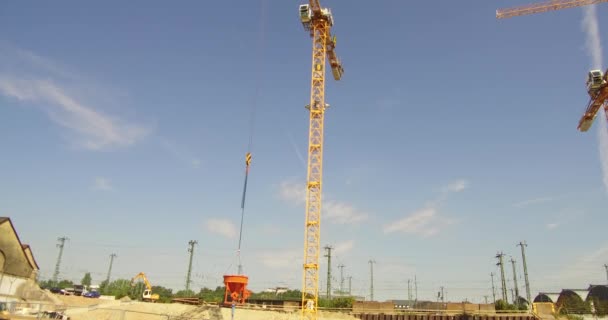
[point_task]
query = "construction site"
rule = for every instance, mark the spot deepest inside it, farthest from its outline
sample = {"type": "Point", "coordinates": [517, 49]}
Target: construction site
{"type": "Point", "coordinates": [249, 262]}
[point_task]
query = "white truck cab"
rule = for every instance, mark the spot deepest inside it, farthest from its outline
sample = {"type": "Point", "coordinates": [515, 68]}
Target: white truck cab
{"type": "Point", "coordinates": [595, 80]}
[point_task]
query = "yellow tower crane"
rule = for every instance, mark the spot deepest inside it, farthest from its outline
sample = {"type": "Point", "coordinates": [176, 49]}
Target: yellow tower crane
{"type": "Point", "coordinates": [318, 21]}
{"type": "Point", "coordinates": [597, 83]}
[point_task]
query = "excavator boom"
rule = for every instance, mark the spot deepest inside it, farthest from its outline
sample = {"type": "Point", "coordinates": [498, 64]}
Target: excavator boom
{"type": "Point", "coordinates": [543, 7]}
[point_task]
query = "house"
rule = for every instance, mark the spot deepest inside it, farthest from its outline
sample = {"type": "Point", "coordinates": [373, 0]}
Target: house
{"type": "Point", "coordinates": [18, 268]}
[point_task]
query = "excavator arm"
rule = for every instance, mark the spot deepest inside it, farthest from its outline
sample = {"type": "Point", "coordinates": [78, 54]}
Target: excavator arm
{"type": "Point", "coordinates": [543, 7]}
{"type": "Point", "coordinates": [142, 276]}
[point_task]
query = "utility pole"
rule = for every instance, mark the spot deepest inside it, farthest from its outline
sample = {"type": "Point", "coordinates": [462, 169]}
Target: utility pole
{"type": "Point", "coordinates": [112, 256]}
{"type": "Point", "coordinates": [493, 288]}
{"type": "Point", "coordinates": [500, 263]}
{"type": "Point", "coordinates": [328, 255]}
{"type": "Point", "coordinates": [191, 244]}
{"type": "Point", "coordinates": [409, 290]}
{"type": "Point", "coordinates": [606, 267]}
{"type": "Point", "coordinates": [341, 267]}
{"type": "Point", "coordinates": [60, 245]}
{"type": "Point", "coordinates": [516, 300]}
{"type": "Point", "coordinates": [523, 244]}
{"type": "Point", "coordinates": [371, 286]}
{"type": "Point", "coordinates": [350, 280]}
{"type": "Point", "coordinates": [415, 290]}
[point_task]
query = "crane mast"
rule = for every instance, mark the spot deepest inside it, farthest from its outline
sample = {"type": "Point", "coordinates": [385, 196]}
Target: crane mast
{"type": "Point", "coordinates": [318, 21]}
{"type": "Point", "coordinates": [543, 7]}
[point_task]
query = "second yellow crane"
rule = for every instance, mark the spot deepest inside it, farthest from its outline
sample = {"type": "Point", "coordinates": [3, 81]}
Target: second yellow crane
{"type": "Point", "coordinates": [318, 21]}
{"type": "Point", "coordinates": [596, 82]}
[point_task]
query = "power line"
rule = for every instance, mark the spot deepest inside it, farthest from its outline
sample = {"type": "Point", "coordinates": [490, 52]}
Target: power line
{"type": "Point", "coordinates": [328, 255]}
{"type": "Point", "coordinates": [493, 288]}
{"type": "Point", "coordinates": [350, 279]}
{"type": "Point", "coordinates": [516, 300]}
{"type": "Point", "coordinates": [500, 263]}
{"type": "Point", "coordinates": [112, 256]}
{"type": "Point", "coordinates": [341, 267]}
{"type": "Point", "coordinates": [523, 259]}
{"type": "Point", "coordinates": [61, 244]}
{"type": "Point", "coordinates": [191, 244]}
{"type": "Point", "coordinates": [371, 287]}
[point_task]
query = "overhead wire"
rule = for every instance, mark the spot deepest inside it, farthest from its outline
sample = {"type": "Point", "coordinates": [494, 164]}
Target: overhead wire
{"type": "Point", "coordinates": [254, 106]}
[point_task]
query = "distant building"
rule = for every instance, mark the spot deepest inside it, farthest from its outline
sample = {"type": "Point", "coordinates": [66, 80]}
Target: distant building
{"type": "Point", "coordinates": [18, 268]}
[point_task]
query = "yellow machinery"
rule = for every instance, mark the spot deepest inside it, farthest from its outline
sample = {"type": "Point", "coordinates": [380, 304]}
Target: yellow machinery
{"type": "Point", "coordinates": [318, 21]}
{"type": "Point", "coordinates": [147, 295]}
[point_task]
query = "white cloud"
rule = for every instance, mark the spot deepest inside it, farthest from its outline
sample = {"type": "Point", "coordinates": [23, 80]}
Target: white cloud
{"type": "Point", "coordinates": [342, 213]}
{"type": "Point", "coordinates": [222, 227]}
{"type": "Point", "coordinates": [293, 192]}
{"type": "Point", "coordinates": [532, 201]}
{"type": "Point", "coordinates": [552, 225]}
{"type": "Point", "coordinates": [35, 80]}
{"type": "Point", "coordinates": [592, 30]}
{"type": "Point", "coordinates": [102, 184]}
{"type": "Point", "coordinates": [179, 153]}
{"type": "Point", "coordinates": [456, 186]}
{"type": "Point", "coordinates": [424, 222]}
{"type": "Point", "coordinates": [337, 212]}
{"type": "Point", "coordinates": [344, 247]}
{"type": "Point", "coordinates": [280, 259]}
{"type": "Point", "coordinates": [95, 131]}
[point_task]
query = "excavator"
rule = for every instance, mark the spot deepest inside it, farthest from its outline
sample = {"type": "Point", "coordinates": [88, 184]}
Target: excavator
{"type": "Point", "coordinates": [147, 295]}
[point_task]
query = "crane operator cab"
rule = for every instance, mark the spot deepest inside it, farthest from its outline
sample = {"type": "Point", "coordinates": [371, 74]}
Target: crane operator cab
{"type": "Point", "coordinates": [595, 80]}
{"type": "Point", "coordinates": [305, 15]}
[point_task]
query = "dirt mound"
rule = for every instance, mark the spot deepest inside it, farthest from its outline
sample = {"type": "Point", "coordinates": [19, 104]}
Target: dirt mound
{"type": "Point", "coordinates": [125, 299]}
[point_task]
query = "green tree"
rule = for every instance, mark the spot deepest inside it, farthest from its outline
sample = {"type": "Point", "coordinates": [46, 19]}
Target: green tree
{"type": "Point", "coordinates": [209, 295]}
{"type": "Point", "coordinates": [65, 284]}
{"type": "Point", "coordinates": [185, 294]}
{"type": "Point", "coordinates": [86, 280]}
{"type": "Point", "coordinates": [165, 294]}
{"type": "Point", "coordinates": [118, 288]}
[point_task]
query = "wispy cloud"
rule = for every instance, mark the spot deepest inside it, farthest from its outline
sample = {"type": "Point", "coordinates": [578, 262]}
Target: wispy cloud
{"type": "Point", "coordinates": [424, 222]}
{"type": "Point", "coordinates": [91, 128]}
{"type": "Point", "coordinates": [533, 201]}
{"type": "Point", "coordinates": [591, 28]}
{"type": "Point", "coordinates": [584, 266]}
{"type": "Point", "coordinates": [103, 184]}
{"type": "Point", "coordinates": [427, 221]}
{"type": "Point", "coordinates": [552, 225]}
{"type": "Point", "coordinates": [337, 212]}
{"type": "Point", "coordinates": [344, 247]}
{"type": "Point", "coordinates": [343, 213]}
{"type": "Point", "coordinates": [180, 153]}
{"type": "Point", "coordinates": [280, 259]}
{"type": "Point", "coordinates": [456, 186]}
{"type": "Point", "coordinates": [222, 227]}
{"type": "Point", "coordinates": [293, 192]}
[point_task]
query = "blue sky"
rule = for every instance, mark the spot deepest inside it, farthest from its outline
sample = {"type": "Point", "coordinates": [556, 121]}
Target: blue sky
{"type": "Point", "coordinates": [451, 136]}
